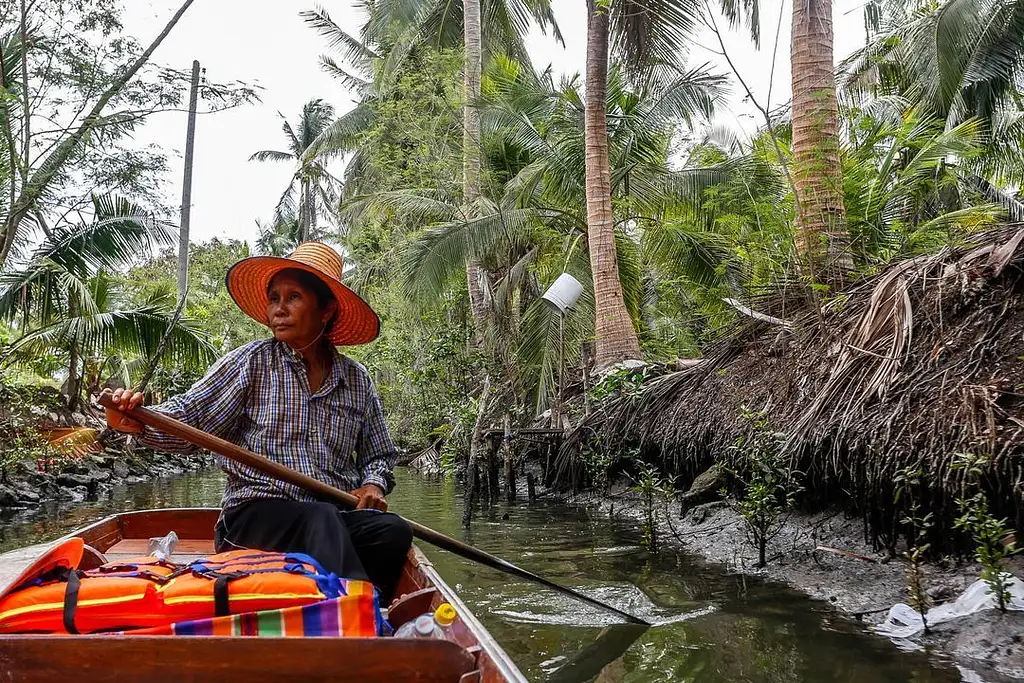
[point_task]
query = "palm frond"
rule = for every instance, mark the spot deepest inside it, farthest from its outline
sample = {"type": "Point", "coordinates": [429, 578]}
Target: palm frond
{"type": "Point", "coordinates": [682, 250]}
{"type": "Point", "coordinates": [120, 235]}
{"type": "Point", "coordinates": [424, 206]}
{"type": "Point", "coordinates": [652, 31]}
{"type": "Point", "coordinates": [433, 256]}
{"type": "Point", "coordinates": [135, 331]}
{"type": "Point", "coordinates": [272, 155]}
{"type": "Point", "coordinates": [331, 67]}
{"type": "Point", "coordinates": [353, 50]}
{"type": "Point", "coordinates": [343, 135]}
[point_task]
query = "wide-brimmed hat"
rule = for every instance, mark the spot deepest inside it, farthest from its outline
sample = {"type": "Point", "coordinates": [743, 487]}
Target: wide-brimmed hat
{"type": "Point", "coordinates": [247, 282]}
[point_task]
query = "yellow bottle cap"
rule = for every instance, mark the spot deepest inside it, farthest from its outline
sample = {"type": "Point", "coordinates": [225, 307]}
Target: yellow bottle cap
{"type": "Point", "coordinates": [444, 614]}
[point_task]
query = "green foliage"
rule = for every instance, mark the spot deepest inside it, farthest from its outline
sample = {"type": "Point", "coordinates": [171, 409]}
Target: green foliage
{"type": "Point", "coordinates": [457, 434]}
{"type": "Point", "coordinates": [919, 598]}
{"type": "Point", "coordinates": [597, 462]}
{"type": "Point", "coordinates": [170, 381]}
{"type": "Point", "coordinates": [624, 381]}
{"type": "Point", "coordinates": [423, 371]}
{"type": "Point", "coordinates": [22, 441]}
{"type": "Point", "coordinates": [408, 133]}
{"type": "Point", "coordinates": [770, 484]}
{"type": "Point", "coordinates": [415, 138]}
{"type": "Point", "coordinates": [649, 483]}
{"type": "Point", "coordinates": [57, 154]}
{"type": "Point", "coordinates": [65, 301]}
{"type": "Point", "coordinates": [908, 481]}
{"type": "Point", "coordinates": [209, 308]}
{"type": "Point", "coordinates": [990, 535]}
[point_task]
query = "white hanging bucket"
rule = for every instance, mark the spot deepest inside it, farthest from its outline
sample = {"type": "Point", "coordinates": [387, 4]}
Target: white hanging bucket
{"type": "Point", "coordinates": [563, 293]}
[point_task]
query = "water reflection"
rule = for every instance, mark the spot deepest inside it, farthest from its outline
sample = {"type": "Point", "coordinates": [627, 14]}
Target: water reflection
{"type": "Point", "coordinates": [52, 520]}
{"type": "Point", "coordinates": [710, 627]}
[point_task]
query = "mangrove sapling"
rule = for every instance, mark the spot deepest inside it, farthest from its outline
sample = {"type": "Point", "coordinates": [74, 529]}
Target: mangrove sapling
{"type": "Point", "coordinates": [919, 598]}
{"type": "Point", "coordinates": [770, 484]}
{"type": "Point", "coordinates": [993, 542]}
{"type": "Point", "coordinates": [908, 481]}
{"type": "Point", "coordinates": [649, 484]}
{"type": "Point", "coordinates": [598, 461]}
{"type": "Point", "coordinates": [992, 545]}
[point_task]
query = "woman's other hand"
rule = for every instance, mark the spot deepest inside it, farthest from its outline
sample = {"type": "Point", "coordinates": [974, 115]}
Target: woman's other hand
{"type": "Point", "coordinates": [370, 497]}
{"type": "Point", "coordinates": [124, 399]}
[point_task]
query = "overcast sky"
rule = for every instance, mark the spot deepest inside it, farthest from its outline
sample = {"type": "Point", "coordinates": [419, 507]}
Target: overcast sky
{"type": "Point", "coordinates": [272, 47]}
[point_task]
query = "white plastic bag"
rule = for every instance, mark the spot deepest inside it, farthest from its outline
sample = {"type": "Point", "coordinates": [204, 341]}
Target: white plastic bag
{"type": "Point", "coordinates": [904, 621]}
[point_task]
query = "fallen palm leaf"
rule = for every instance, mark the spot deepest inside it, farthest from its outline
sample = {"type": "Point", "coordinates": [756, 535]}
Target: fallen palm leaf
{"type": "Point", "coordinates": [76, 442]}
{"type": "Point", "coordinates": [890, 381]}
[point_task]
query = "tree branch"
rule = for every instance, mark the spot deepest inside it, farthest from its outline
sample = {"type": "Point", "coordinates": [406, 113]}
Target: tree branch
{"type": "Point", "coordinates": [763, 317]}
{"type": "Point", "coordinates": [50, 166]}
{"type": "Point", "coordinates": [163, 342]}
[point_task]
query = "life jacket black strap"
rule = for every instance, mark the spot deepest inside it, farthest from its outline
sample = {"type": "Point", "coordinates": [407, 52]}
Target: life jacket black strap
{"type": "Point", "coordinates": [71, 601]}
{"type": "Point", "coordinates": [221, 604]}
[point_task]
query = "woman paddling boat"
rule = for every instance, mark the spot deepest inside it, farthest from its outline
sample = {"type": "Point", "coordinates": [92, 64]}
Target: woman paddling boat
{"type": "Point", "coordinates": [295, 400]}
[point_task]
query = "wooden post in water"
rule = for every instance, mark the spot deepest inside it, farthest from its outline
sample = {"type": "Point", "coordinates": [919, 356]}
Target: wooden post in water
{"type": "Point", "coordinates": [472, 491]}
{"type": "Point", "coordinates": [493, 484]}
{"type": "Point", "coordinates": [531, 487]}
{"type": "Point", "coordinates": [510, 463]}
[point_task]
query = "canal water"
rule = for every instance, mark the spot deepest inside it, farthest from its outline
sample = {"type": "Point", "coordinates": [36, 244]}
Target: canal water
{"type": "Point", "coordinates": [711, 627]}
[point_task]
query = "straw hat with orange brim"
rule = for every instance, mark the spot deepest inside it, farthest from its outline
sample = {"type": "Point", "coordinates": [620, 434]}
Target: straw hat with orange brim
{"type": "Point", "coordinates": [247, 282]}
{"type": "Point", "coordinates": [67, 554]}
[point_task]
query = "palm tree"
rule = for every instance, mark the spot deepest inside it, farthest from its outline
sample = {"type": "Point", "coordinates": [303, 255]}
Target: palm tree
{"type": "Point", "coordinates": [471, 145]}
{"type": "Point", "coordinates": [821, 236]}
{"type": "Point", "coordinates": [316, 188]}
{"type": "Point", "coordinates": [63, 299]}
{"type": "Point", "coordinates": [911, 188]}
{"type": "Point", "coordinates": [393, 31]}
{"type": "Point", "coordinates": [616, 338]}
{"type": "Point", "coordinates": [956, 60]}
{"type": "Point", "coordinates": [280, 236]}
{"type": "Point", "coordinates": [538, 227]}
{"type": "Point", "coordinates": [648, 35]}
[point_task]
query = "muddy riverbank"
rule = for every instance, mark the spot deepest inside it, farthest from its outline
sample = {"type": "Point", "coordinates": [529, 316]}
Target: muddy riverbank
{"type": "Point", "coordinates": [857, 582]}
{"type": "Point", "coordinates": [29, 483]}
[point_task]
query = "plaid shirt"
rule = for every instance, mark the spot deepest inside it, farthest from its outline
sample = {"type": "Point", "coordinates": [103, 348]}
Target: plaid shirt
{"type": "Point", "coordinates": [258, 396]}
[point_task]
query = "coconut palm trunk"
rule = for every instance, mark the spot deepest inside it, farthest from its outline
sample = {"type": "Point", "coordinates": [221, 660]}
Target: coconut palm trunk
{"type": "Point", "coordinates": [471, 142]}
{"type": "Point", "coordinates": [475, 274]}
{"type": "Point", "coordinates": [616, 338]}
{"type": "Point", "coordinates": [74, 387]}
{"type": "Point", "coordinates": [821, 237]}
{"type": "Point", "coordinates": [304, 210]}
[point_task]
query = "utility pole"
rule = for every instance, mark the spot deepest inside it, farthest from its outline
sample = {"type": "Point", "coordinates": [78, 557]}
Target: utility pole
{"type": "Point", "coordinates": [186, 190]}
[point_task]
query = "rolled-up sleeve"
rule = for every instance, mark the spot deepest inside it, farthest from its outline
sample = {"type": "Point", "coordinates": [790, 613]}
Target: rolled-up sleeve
{"type": "Point", "coordinates": [214, 404]}
{"type": "Point", "coordinates": [375, 453]}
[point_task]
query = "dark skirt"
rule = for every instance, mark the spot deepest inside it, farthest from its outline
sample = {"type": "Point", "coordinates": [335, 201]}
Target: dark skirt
{"type": "Point", "coordinates": [367, 545]}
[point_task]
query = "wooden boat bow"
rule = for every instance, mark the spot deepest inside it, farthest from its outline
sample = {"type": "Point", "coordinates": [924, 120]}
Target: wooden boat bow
{"type": "Point", "coordinates": [473, 656]}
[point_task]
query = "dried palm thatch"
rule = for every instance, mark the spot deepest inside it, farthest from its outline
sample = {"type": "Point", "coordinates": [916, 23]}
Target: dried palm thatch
{"type": "Point", "coordinates": [905, 370]}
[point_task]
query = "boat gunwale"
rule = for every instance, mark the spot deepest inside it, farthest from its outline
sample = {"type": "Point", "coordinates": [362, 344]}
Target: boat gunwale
{"type": "Point", "coordinates": [506, 667]}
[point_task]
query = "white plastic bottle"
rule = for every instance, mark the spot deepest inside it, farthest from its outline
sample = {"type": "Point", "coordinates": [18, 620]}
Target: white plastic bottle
{"type": "Point", "coordinates": [429, 625]}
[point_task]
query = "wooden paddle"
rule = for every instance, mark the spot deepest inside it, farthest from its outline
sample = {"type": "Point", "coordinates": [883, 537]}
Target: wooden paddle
{"type": "Point", "coordinates": [169, 425]}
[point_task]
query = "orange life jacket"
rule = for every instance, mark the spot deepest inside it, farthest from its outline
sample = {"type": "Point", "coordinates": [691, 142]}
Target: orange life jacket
{"type": "Point", "coordinates": [146, 592]}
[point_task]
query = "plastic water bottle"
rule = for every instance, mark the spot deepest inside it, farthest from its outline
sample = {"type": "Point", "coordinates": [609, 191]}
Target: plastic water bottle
{"type": "Point", "coordinates": [161, 548]}
{"type": "Point", "coordinates": [429, 625]}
